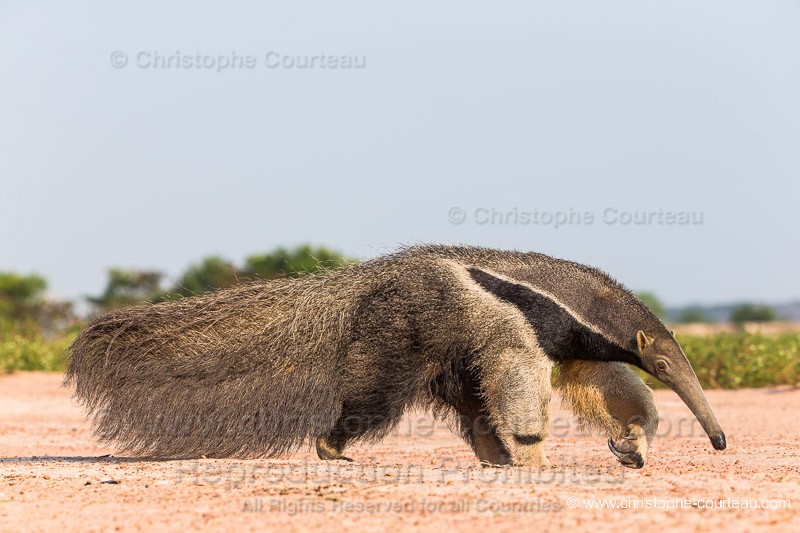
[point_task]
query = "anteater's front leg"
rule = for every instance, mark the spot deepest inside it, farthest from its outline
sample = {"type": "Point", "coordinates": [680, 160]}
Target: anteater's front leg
{"type": "Point", "coordinates": [476, 427]}
{"type": "Point", "coordinates": [516, 390]}
{"type": "Point", "coordinates": [611, 397]}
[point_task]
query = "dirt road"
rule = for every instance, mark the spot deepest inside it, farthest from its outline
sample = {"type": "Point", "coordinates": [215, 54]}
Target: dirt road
{"type": "Point", "coordinates": [54, 477]}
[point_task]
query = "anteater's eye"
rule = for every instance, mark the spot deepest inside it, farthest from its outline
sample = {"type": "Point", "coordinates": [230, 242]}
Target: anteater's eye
{"type": "Point", "coordinates": [661, 366]}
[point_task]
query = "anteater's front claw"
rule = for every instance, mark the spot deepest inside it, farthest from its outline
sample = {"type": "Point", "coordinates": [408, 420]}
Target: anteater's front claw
{"type": "Point", "coordinates": [631, 459]}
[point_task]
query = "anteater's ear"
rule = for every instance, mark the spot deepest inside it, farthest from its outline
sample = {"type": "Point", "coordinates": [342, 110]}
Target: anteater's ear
{"type": "Point", "coordinates": [643, 341]}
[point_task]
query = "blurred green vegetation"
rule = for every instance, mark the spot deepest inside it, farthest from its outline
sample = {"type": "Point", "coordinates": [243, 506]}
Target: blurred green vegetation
{"type": "Point", "coordinates": [292, 263]}
{"type": "Point", "coordinates": [694, 315]}
{"type": "Point", "coordinates": [211, 273]}
{"type": "Point", "coordinates": [24, 349]}
{"type": "Point", "coordinates": [130, 287]}
{"type": "Point", "coordinates": [21, 296]}
{"type": "Point", "coordinates": [748, 312]}
{"type": "Point", "coordinates": [34, 332]}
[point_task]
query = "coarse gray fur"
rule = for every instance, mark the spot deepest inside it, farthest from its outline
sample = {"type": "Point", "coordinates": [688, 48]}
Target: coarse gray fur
{"type": "Point", "coordinates": [259, 369]}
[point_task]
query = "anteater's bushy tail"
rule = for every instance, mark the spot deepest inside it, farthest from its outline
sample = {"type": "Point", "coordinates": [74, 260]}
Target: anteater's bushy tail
{"type": "Point", "coordinates": [249, 371]}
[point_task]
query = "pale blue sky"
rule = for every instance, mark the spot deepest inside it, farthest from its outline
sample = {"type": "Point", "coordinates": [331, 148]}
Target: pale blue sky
{"type": "Point", "coordinates": [548, 106]}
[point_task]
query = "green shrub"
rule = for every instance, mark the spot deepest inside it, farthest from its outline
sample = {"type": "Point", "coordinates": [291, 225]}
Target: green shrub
{"type": "Point", "coordinates": [23, 348]}
{"type": "Point", "coordinates": [752, 313]}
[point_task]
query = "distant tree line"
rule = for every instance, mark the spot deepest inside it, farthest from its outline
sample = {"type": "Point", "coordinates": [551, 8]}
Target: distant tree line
{"type": "Point", "coordinates": [740, 314]}
{"type": "Point", "coordinates": [24, 308]}
{"type": "Point", "coordinates": [128, 287]}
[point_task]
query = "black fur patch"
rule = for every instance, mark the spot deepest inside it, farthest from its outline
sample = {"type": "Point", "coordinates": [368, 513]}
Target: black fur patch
{"type": "Point", "coordinates": [559, 334]}
{"type": "Point", "coordinates": [528, 439]}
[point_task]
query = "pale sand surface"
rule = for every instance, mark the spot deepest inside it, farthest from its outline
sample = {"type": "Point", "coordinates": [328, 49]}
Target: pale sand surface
{"type": "Point", "coordinates": [53, 476]}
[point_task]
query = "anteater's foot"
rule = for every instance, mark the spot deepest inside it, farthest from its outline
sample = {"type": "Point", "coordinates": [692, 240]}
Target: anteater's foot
{"type": "Point", "coordinates": [329, 452]}
{"type": "Point", "coordinates": [627, 452]}
{"type": "Point", "coordinates": [491, 464]}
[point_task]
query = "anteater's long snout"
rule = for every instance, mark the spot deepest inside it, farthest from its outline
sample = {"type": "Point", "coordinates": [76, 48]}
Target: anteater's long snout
{"type": "Point", "coordinates": [687, 386]}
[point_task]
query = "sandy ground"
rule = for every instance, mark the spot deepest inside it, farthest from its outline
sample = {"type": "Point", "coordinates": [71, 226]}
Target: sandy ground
{"type": "Point", "coordinates": [54, 477]}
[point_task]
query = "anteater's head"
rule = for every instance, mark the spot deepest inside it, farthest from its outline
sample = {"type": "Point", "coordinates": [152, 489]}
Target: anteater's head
{"type": "Point", "coordinates": [662, 357]}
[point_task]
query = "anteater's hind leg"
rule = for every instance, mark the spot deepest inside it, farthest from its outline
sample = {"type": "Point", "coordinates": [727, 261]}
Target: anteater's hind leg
{"type": "Point", "coordinates": [372, 416]}
{"type": "Point", "coordinates": [330, 446]}
{"type": "Point", "coordinates": [348, 427]}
